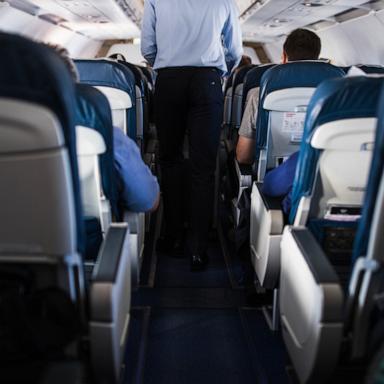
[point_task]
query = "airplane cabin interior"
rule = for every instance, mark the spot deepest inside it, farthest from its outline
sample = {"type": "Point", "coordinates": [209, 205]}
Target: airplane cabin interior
{"type": "Point", "coordinates": [288, 296]}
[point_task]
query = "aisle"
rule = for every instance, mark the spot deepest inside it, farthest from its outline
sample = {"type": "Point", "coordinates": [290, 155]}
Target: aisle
{"type": "Point", "coordinates": [189, 328]}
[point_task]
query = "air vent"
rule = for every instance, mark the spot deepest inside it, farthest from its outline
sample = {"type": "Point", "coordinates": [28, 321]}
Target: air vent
{"type": "Point", "coordinates": [51, 18]}
{"type": "Point", "coordinates": [316, 3]}
{"type": "Point", "coordinates": [25, 6]}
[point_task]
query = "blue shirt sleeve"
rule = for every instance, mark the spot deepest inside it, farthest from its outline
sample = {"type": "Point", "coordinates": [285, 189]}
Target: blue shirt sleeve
{"type": "Point", "coordinates": [279, 181]}
{"type": "Point", "coordinates": [232, 38]}
{"type": "Point", "coordinates": [138, 188]}
{"type": "Point", "coordinates": [148, 33]}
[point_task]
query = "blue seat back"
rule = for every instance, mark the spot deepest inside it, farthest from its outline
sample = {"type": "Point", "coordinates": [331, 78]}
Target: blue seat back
{"type": "Point", "coordinates": [299, 74]}
{"type": "Point", "coordinates": [253, 79]}
{"type": "Point", "coordinates": [93, 112]}
{"type": "Point", "coordinates": [35, 73]}
{"type": "Point", "coordinates": [237, 95]}
{"type": "Point", "coordinates": [108, 73]}
{"type": "Point", "coordinates": [372, 69]}
{"type": "Point", "coordinates": [337, 99]}
{"type": "Point", "coordinates": [375, 177]}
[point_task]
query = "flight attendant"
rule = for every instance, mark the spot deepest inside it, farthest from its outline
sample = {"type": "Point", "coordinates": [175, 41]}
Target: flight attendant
{"type": "Point", "coordinates": [191, 44]}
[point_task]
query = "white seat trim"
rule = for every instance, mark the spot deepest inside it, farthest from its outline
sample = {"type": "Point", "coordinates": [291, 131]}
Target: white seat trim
{"type": "Point", "coordinates": [289, 99]}
{"type": "Point", "coordinates": [117, 98]}
{"type": "Point", "coordinates": [347, 138]}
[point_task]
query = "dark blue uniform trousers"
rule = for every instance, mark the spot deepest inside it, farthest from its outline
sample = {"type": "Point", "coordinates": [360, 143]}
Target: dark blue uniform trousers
{"type": "Point", "coordinates": [188, 100]}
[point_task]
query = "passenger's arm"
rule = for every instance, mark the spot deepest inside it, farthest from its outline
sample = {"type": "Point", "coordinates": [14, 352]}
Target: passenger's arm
{"type": "Point", "coordinates": [148, 33]}
{"type": "Point", "coordinates": [279, 181]}
{"type": "Point", "coordinates": [245, 150]}
{"type": "Point", "coordinates": [232, 38]}
{"type": "Point", "coordinates": [139, 190]}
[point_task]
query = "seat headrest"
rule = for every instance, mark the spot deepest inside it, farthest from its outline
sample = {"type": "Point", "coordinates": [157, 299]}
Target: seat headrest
{"type": "Point", "coordinates": [373, 185]}
{"type": "Point", "coordinates": [372, 69]}
{"type": "Point", "coordinates": [35, 73]}
{"type": "Point", "coordinates": [93, 112]}
{"type": "Point", "coordinates": [252, 79]}
{"type": "Point", "coordinates": [240, 75]}
{"type": "Point", "coordinates": [336, 99]}
{"type": "Point", "coordinates": [107, 73]}
{"type": "Point", "coordinates": [297, 74]}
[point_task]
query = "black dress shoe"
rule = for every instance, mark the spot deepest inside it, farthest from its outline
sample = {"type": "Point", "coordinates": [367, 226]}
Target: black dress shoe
{"type": "Point", "coordinates": [198, 262]}
{"type": "Point", "coordinates": [170, 246]}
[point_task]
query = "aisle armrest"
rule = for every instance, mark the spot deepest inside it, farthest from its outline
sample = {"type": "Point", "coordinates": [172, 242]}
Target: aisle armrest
{"type": "Point", "coordinates": [317, 261]}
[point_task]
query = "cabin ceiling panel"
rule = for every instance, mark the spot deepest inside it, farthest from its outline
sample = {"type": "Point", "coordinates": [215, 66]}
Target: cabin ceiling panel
{"type": "Point", "coordinates": [98, 19]}
{"type": "Point", "coordinates": [268, 19]}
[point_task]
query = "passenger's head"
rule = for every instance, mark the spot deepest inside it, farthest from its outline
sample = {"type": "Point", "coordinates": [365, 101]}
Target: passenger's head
{"type": "Point", "coordinates": [117, 56]}
{"type": "Point", "coordinates": [301, 44]}
{"type": "Point", "coordinates": [245, 60]}
{"type": "Point", "coordinates": [64, 54]}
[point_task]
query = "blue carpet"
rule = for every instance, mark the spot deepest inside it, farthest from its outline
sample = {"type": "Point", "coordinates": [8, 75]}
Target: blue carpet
{"type": "Point", "coordinates": [175, 272]}
{"type": "Point", "coordinates": [197, 346]}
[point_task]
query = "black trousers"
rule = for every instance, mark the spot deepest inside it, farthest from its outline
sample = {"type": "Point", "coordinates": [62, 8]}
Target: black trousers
{"type": "Point", "coordinates": [188, 100]}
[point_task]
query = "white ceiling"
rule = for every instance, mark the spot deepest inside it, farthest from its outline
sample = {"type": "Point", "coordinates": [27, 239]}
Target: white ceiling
{"type": "Point", "coordinates": [268, 19]}
{"type": "Point", "coordinates": [262, 20]}
{"type": "Point", "coordinates": [99, 19]}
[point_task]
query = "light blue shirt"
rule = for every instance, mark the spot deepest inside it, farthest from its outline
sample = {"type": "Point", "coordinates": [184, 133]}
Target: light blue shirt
{"type": "Point", "coordinates": [197, 33]}
{"type": "Point", "coordinates": [138, 188]}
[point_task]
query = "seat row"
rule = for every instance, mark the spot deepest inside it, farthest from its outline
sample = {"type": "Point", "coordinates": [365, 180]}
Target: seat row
{"type": "Point", "coordinates": [59, 204]}
{"type": "Point", "coordinates": [323, 259]}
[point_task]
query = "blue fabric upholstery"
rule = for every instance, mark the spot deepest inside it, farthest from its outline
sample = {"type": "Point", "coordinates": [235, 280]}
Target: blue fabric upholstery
{"type": "Point", "coordinates": [303, 74]}
{"type": "Point", "coordinates": [142, 83]}
{"type": "Point", "coordinates": [229, 82]}
{"type": "Point", "coordinates": [34, 72]}
{"type": "Point", "coordinates": [372, 69]}
{"type": "Point", "coordinates": [108, 73]}
{"type": "Point", "coordinates": [93, 112]}
{"type": "Point", "coordinates": [253, 78]}
{"type": "Point", "coordinates": [346, 98]}
{"type": "Point", "coordinates": [94, 237]}
{"type": "Point", "coordinates": [376, 173]}
{"type": "Point", "coordinates": [240, 76]}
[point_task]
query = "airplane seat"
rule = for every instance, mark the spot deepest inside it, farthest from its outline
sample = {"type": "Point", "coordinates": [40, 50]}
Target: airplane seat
{"type": "Point", "coordinates": [237, 95]}
{"type": "Point", "coordinates": [141, 103]}
{"type": "Point", "coordinates": [252, 80]}
{"type": "Point", "coordinates": [228, 103]}
{"type": "Point", "coordinates": [372, 69]}
{"type": "Point", "coordinates": [93, 112]}
{"type": "Point", "coordinates": [244, 173]}
{"type": "Point", "coordinates": [284, 95]}
{"type": "Point", "coordinates": [97, 174]}
{"type": "Point", "coordinates": [362, 313]}
{"type": "Point", "coordinates": [118, 84]}
{"type": "Point", "coordinates": [327, 196]}
{"type": "Point", "coordinates": [42, 236]}
{"type": "Point", "coordinates": [285, 92]}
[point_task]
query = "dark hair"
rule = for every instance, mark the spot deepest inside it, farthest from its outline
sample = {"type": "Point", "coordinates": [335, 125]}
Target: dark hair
{"type": "Point", "coordinates": [245, 60]}
{"type": "Point", "coordinates": [302, 44]}
{"type": "Point", "coordinates": [117, 56]}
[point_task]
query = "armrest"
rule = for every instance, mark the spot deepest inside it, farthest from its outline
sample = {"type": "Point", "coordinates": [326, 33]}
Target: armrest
{"type": "Point", "coordinates": [271, 203]}
{"type": "Point", "coordinates": [110, 253]}
{"type": "Point", "coordinates": [106, 272]}
{"type": "Point", "coordinates": [315, 257]}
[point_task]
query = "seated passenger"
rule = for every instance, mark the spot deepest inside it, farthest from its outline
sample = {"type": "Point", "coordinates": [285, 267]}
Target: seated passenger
{"type": "Point", "coordinates": [279, 181]}
{"type": "Point", "coordinates": [301, 44]}
{"type": "Point", "coordinates": [138, 188]}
